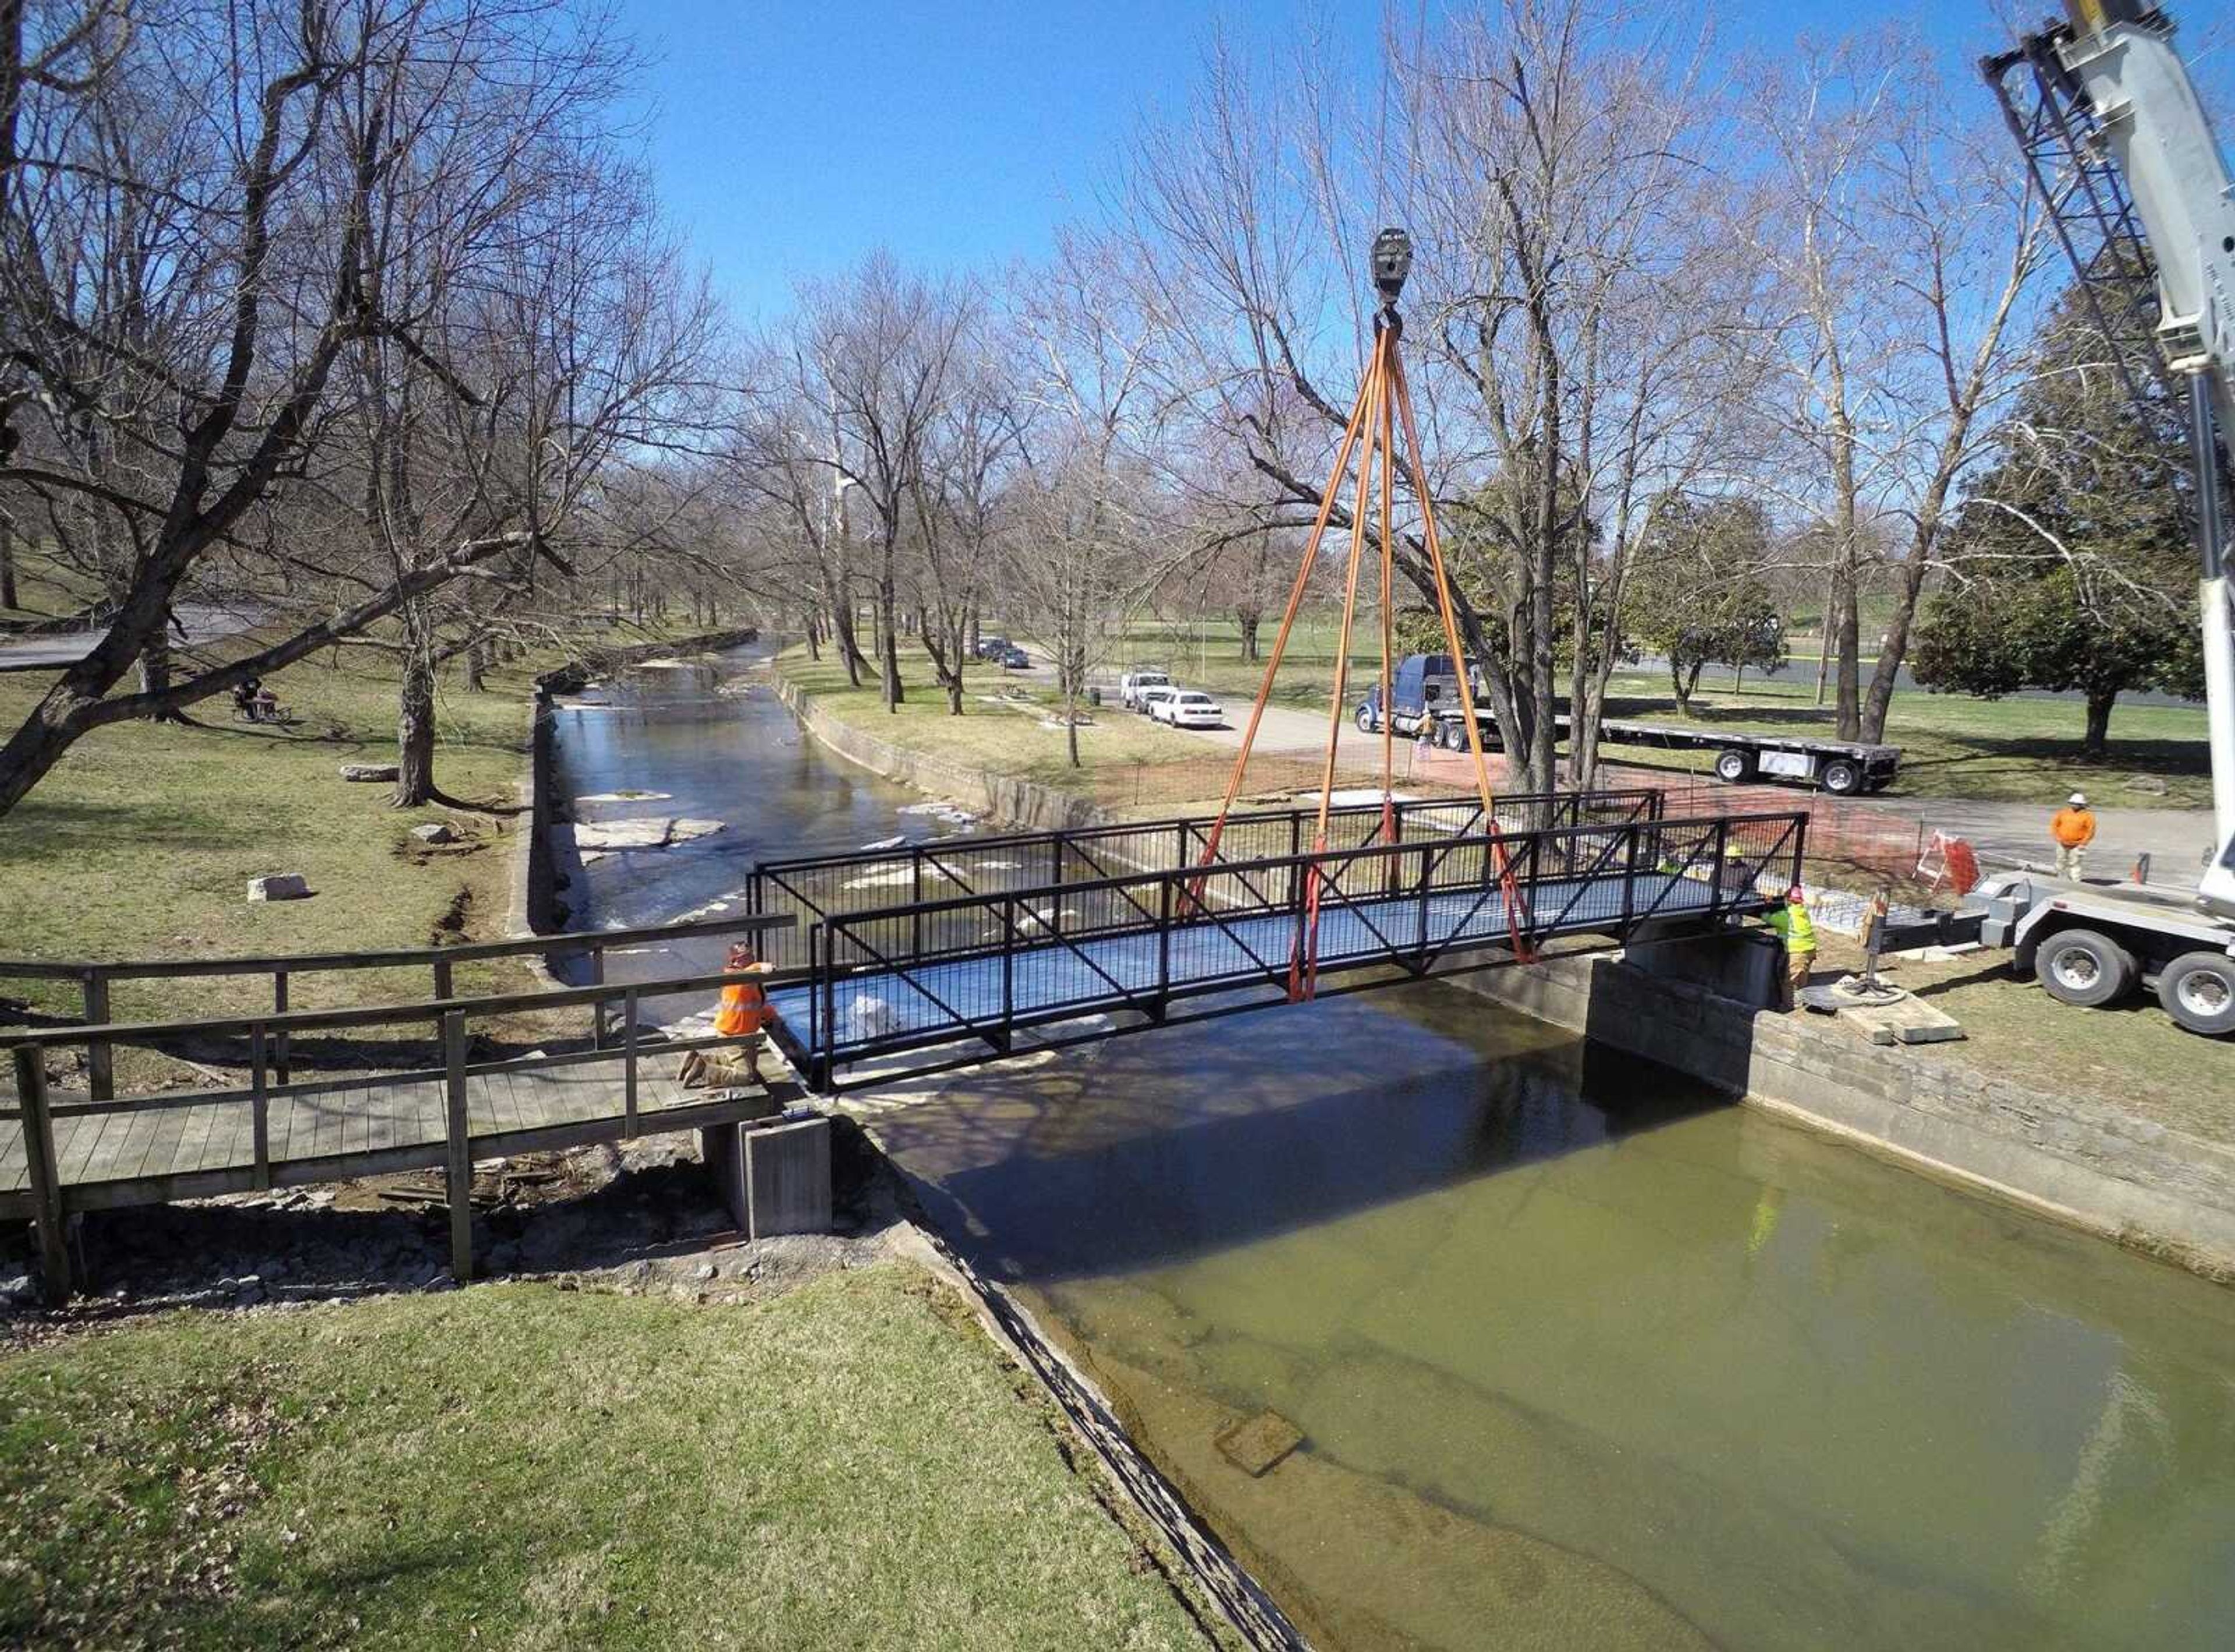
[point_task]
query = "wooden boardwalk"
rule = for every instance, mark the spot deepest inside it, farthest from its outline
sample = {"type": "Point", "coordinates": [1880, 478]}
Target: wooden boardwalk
{"type": "Point", "coordinates": [333, 1130]}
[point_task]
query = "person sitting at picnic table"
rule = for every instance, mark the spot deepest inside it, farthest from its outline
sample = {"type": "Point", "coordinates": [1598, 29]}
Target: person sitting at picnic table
{"type": "Point", "coordinates": [243, 696]}
{"type": "Point", "coordinates": [744, 1009]}
{"type": "Point", "coordinates": [266, 706]}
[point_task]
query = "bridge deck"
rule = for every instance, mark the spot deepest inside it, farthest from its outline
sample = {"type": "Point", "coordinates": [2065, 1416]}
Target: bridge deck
{"type": "Point", "coordinates": [332, 1131]}
{"type": "Point", "coordinates": [873, 1010]}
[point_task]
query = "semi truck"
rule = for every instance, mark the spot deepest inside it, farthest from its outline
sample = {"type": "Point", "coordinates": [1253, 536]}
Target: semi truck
{"type": "Point", "coordinates": [1423, 689]}
{"type": "Point", "coordinates": [2138, 194]}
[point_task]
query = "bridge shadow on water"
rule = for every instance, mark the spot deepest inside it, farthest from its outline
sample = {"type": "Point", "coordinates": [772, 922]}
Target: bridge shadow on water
{"type": "Point", "coordinates": [1152, 1152]}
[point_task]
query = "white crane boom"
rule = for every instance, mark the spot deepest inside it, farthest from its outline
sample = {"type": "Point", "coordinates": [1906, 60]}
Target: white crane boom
{"type": "Point", "coordinates": [2124, 154]}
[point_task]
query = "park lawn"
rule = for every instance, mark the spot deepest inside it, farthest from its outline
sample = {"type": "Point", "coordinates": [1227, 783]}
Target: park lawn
{"type": "Point", "coordinates": [1019, 737]}
{"type": "Point", "coordinates": [45, 590]}
{"type": "Point", "coordinates": [141, 843]}
{"type": "Point", "coordinates": [850, 1465]}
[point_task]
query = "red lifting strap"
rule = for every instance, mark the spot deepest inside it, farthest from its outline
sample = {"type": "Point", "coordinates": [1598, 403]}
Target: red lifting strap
{"type": "Point", "coordinates": [1384, 400]}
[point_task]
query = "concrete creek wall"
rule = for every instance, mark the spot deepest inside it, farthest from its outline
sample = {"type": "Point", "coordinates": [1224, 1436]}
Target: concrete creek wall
{"type": "Point", "coordinates": [1025, 804]}
{"type": "Point", "coordinates": [2079, 1158]}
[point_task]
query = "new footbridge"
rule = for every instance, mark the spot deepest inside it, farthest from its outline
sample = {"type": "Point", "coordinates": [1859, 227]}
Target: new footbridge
{"type": "Point", "coordinates": [915, 958]}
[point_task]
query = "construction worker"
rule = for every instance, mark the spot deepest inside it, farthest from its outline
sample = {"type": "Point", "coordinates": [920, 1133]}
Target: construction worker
{"type": "Point", "coordinates": [744, 1010]}
{"type": "Point", "coordinates": [2073, 828]}
{"type": "Point", "coordinates": [1793, 922]}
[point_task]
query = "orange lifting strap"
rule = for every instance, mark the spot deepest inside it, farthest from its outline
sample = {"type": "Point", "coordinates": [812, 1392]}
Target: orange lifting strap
{"type": "Point", "coordinates": [1384, 401]}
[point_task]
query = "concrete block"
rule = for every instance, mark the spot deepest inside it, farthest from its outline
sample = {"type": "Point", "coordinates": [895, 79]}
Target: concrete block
{"type": "Point", "coordinates": [775, 1178]}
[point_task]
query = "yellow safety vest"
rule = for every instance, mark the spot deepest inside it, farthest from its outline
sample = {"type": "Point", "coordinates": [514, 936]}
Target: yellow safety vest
{"type": "Point", "coordinates": [1796, 926]}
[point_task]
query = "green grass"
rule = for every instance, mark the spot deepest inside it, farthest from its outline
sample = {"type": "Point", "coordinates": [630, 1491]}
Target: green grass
{"type": "Point", "coordinates": [847, 1466]}
{"type": "Point", "coordinates": [1012, 737]}
{"type": "Point", "coordinates": [141, 843]}
{"type": "Point", "coordinates": [45, 590]}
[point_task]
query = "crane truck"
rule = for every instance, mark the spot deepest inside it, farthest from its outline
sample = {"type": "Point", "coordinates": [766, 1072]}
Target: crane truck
{"type": "Point", "coordinates": [2123, 155]}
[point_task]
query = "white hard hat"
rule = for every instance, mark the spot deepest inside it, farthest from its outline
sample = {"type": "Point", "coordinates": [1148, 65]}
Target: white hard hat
{"type": "Point", "coordinates": [2078, 800]}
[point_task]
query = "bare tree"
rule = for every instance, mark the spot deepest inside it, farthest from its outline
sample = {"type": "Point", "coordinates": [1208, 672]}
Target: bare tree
{"type": "Point", "coordinates": [1903, 241]}
{"type": "Point", "coordinates": [198, 224]}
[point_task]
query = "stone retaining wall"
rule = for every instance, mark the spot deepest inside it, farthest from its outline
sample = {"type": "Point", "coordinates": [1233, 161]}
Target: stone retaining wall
{"type": "Point", "coordinates": [1024, 804]}
{"type": "Point", "coordinates": [2080, 1158]}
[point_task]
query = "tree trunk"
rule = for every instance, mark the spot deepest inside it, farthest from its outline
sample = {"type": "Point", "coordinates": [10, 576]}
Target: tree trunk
{"type": "Point", "coordinates": [814, 627]}
{"type": "Point", "coordinates": [8, 565]}
{"type": "Point", "coordinates": [848, 645]}
{"type": "Point", "coordinates": [414, 716]}
{"type": "Point", "coordinates": [1847, 711]}
{"type": "Point", "coordinates": [889, 644]}
{"type": "Point", "coordinates": [474, 668]}
{"type": "Point", "coordinates": [1683, 689]}
{"type": "Point", "coordinates": [154, 670]}
{"type": "Point", "coordinates": [1070, 728]}
{"type": "Point", "coordinates": [2098, 742]}
{"type": "Point", "coordinates": [1247, 620]}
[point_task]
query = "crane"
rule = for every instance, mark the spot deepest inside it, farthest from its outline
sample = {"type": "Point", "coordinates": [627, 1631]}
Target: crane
{"type": "Point", "coordinates": [2137, 193]}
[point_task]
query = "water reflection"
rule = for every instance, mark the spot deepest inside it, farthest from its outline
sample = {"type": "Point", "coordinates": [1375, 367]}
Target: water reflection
{"type": "Point", "coordinates": [1572, 1345]}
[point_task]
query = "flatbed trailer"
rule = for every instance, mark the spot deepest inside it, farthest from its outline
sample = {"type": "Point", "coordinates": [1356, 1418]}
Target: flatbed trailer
{"type": "Point", "coordinates": [1423, 689]}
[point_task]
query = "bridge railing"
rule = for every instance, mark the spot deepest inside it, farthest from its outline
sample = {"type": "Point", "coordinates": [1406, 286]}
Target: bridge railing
{"type": "Point", "coordinates": [816, 887]}
{"type": "Point", "coordinates": [445, 1055]}
{"type": "Point", "coordinates": [95, 978]}
{"type": "Point", "coordinates": [981, 965]}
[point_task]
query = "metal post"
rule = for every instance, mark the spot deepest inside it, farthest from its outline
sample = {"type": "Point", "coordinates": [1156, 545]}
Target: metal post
{"type": "Point", "coordinates": [1715, 874]}
{"type": "Point", "coordinates": [628, 1065]}
{"type": "Point", "coordinates": [1009, 978]}
{"type": "Point", "coordinates": [100, 1056]}
{"type": "Point", "coordinates": [597, 1006]}
{"type": "Point", "coordinates": [46, 1180]}
{"type": "Point", "coordinates": [1631, 838]}
{"type": "Point", "coordinates": [458, 1158]}
{"type": "Point", "coordinates": [1165, 948]}
{"type": "Point", "coordinates": [279, 1058]}
{"type": "Point", "coordinates": [259, 1110]}
{"type": "Point", "coordinates": [915, 893]}
{"type": "Point", "coordinates": [1421, 968]}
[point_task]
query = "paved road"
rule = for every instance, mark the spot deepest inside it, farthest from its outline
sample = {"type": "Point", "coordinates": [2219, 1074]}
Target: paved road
{"type": "Point", "coordinates": [204, 622]}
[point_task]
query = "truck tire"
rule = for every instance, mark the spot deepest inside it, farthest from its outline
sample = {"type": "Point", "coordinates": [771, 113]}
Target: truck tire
{"type": "Point", "coordinates": [2198, 990]}
{"type": "Point", "coordinates": [1842, 778]}
{"type": "Point", "coordinates": [1733, 765]}
{"type": "Point", "coordinates": [1366, 724]}
{"type": "Point", "coordinates": [2083, 966]}
{"type": "Point", "coordinates": [1452, 737]}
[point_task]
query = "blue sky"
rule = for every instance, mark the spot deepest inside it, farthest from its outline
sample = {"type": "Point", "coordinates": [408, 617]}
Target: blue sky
{"type": "Point", "coordinates": [788, 140]}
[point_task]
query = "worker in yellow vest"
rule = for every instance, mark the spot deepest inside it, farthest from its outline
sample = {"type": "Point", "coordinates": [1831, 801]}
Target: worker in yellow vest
{"type": "Point", "coordinates": [1793, 922]}
{"type": "Point", "coordinates": [2073, 828]}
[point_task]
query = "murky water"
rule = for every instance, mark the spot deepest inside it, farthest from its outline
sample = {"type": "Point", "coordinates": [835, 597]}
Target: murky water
{"type": "Point", "coordinates": [1581, 1358]}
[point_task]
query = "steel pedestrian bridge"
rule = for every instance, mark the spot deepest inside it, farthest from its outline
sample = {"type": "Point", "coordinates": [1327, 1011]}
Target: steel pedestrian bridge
{"type": "Point", "coordinates": [921, 957]}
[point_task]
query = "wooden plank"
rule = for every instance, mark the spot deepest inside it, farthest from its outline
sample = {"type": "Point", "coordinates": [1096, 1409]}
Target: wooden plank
{"type": "Point", "coordinates": [193, 1146]}
{"type": "Point", "coordinates": [503, 1105]}
{"type": "Point", "coordinates": [118, 1159]}
{"type": "Point", "coordinates": [526, 1100]}
{"type": "Point", "coordinates": [163, 1155]}
{"type": "Point", "coordinates": [84, 1139]}
{"type": "Point", "coordinates": [379, 1105]}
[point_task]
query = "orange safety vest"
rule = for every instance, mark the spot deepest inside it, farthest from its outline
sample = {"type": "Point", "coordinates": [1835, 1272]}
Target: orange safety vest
{"type": "Point", "coordinates": [2072, 827]}
{"type": "Point", "coordinates": [743, 1005]}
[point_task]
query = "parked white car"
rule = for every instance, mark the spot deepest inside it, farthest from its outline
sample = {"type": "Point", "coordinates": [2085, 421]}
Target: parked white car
{"type": "Point", "coordinates": [1131, 684]}
{"type": "Point", "coordinates": [1189, 708]}
{"type": "Point", "coordinates": [1148, 699]}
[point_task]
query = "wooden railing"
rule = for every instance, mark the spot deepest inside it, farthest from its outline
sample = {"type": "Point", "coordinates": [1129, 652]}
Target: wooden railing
{"type": "Point", "coordinates": [266, 1034]}
{"type": "Point", "coordinates": [95, 978]}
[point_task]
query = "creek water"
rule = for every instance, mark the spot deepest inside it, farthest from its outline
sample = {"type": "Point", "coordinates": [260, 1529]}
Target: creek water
{"type": "Point", "coordinates": [1580, 1355]}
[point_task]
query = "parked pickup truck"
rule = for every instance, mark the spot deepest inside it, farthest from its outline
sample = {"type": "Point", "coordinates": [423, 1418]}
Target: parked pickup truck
{"type": "Point", "coordinates": [1424, 689]}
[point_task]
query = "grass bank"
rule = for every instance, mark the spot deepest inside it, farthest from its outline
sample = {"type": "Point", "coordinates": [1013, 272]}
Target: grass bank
{"type": "Point", "coordinates": [2019, 750]}
{"type": "Point", "coordinates": [141, 841]}
{"type": "Point", "coordinates": [1009, 726]}
{"type": "Point", "coordinates": [845, 1466]}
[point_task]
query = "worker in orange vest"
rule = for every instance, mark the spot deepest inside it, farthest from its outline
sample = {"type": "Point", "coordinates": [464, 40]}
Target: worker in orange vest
{"type": "Point", "coordinates": [2073, 828]}
{"type": "Point", "coordinates": [744, 1009]}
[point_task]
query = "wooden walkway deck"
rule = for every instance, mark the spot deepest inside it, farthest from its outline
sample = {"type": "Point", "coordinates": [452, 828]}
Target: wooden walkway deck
{"type": "Point", "coordinates": [335, 1130]}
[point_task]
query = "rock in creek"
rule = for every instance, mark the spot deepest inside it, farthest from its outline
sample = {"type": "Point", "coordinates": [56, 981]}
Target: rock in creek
{"type": "Point", "coordinates": [650, 832]}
